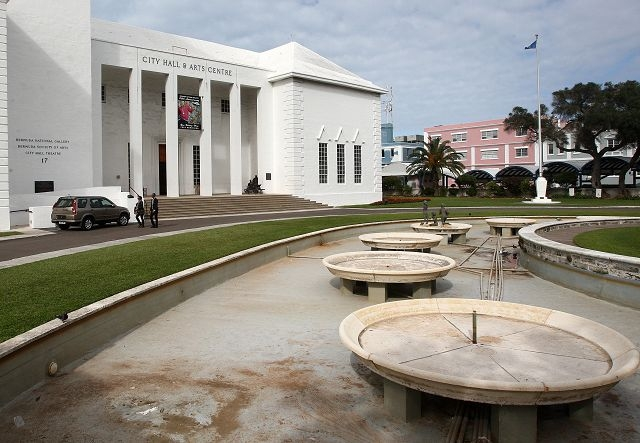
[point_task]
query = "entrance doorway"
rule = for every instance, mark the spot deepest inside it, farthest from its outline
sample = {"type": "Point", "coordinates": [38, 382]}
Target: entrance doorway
{"type": "Point", "coordinates": [162, 169]}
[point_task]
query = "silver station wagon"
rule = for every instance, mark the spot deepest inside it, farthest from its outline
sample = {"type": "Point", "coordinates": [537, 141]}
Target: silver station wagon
{"type": "Point", "coordinates": [86, 211]}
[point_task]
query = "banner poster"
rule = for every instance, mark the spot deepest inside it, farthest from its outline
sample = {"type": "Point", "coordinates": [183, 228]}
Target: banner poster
{"type": "Point", "coordinates": [189, 112]}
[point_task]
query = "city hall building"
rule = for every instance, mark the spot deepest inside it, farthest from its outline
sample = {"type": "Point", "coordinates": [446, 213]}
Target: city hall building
{"type": "Point", "coordinates": [87, 105]}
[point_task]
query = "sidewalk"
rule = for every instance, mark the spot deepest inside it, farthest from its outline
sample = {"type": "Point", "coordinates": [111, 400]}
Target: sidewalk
{"type": "Point", "coordinates": [258, 358]}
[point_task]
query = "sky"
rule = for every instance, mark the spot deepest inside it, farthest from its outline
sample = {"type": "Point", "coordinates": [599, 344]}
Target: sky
{"type": "Point", "coordinates": [445, 61]}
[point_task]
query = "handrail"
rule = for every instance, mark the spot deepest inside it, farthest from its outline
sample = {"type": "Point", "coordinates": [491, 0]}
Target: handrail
{"type": "Point", "coordinates": [134, 191]}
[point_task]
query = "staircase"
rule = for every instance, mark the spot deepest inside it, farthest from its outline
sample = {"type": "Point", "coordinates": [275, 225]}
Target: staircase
{"type": "Point", "coordinates": [198, 206]}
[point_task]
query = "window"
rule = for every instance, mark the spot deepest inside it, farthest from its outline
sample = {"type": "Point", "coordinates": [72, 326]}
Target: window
{"type": "Point", "coordinates": [103, 93]}
{"type": "Point", "coordinates": [489, 134]}
{"type": "Point", "coordinates": [491, 154]}
{"type": "Point", "coordinates": [322, 163]}
{"type": "Point", "coordinates": [612, 143]}
{"type": "Point", "coordinates": [164, 100]}
{"type": "Point", "coordinates": [462, 155]}
{"type": "Point", "coordinates": [196, 165]}
{"type": "Point", "coordinates": [225, 106]}
{"type": "Point", "coordinates": [551, 148]}
{"type": "Point", "coordinates": [357, 164]}
{"type": "Point", "coordinates": [340, 162]}
{"type": "Point", "coordinates": [459, 137]}
{"type": "Point", "coordinates": [522, 152]}
{"type": "Point", "coordinates": [521, 132]}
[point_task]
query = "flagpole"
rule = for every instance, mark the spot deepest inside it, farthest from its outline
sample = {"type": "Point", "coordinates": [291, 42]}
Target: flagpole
{"type": "Point", "coordinates": [540, 147]}
{"type": "Point", "coordinates": [541, 182]}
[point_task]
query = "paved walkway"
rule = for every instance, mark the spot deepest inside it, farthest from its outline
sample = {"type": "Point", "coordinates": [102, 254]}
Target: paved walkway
{"type": "Point", "coordinates": [258, 358]}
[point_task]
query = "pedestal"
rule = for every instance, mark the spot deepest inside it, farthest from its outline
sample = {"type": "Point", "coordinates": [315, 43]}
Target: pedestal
{"type": "Point", "coordinates": [424, 289]}
{"type": "Point", "coordinates": [514, 424]}
{"type": "Point", "coordinates": [346, 286]}
{"type": "Point", "coordinates": [402, 402]}
{"type": "Point", "coordinates": [377, 292]}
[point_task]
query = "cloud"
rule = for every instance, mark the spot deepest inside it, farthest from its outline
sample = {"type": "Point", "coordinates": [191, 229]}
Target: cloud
{"type": "Point", "coordinates": [448, 61]}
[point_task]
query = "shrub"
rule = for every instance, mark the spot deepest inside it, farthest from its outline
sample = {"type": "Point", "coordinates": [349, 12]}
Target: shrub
{"type": "Point", "coordinates": [390, 199]}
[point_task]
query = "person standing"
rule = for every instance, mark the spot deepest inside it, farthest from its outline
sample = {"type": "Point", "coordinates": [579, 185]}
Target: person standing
{"type": "Point", "coordinates": [154, 211]}
{"type": "Point", "coordinates": [139, 210]}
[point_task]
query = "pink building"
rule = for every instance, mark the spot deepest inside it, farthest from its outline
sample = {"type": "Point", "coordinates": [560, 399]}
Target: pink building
{"type": "Point", "coordinates": [488, 146]}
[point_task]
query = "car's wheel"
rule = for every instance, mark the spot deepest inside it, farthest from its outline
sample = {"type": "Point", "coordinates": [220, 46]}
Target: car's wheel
{"type": "Point", "coordinates": [63, 227]}
{"type": "Point", "coordinates": [123, 220]}
{"type": "Point", "coordinates": [87, 223]}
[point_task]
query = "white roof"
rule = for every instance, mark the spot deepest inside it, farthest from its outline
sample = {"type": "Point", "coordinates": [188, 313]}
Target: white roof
{"type": "Point", "coordinates": [294, 60]}
{"type": "Point", "coordinates": [289, 60]}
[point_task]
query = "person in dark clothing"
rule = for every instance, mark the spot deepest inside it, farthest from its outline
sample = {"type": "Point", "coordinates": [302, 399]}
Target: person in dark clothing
{"type": "Point", "coordinates": [154, 211]}
{"type": "Point", "coordinates": [139, 210]}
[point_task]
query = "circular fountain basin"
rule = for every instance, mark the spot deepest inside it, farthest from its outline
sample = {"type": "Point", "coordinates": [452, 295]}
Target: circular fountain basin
{"type": "Point", "coordinates": [497, 226]}
{"type": "Point", "coordinates": [388, 266]}
{"type": "Point", "coordinates": [523, 355]}
{"type": "Point", "coordinates": [457, 232]}
{"type": "Point", "coordinates": [401, 240]}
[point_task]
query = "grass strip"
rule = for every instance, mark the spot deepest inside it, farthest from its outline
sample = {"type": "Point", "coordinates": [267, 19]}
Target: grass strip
{"type": "Point", "coordinates": [623, 241]}
{"type": "Point", "coordinates": [35, 293]}
{"type": "Point", "coordinates": [435, 202]}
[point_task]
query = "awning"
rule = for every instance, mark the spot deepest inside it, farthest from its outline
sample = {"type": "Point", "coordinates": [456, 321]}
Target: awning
{"type": "Point", "coordinates": [514, 171]}
{"type": "Point", "coordinates": [480, 175]}
{"type": "Point", "coordinates": [608, 166]}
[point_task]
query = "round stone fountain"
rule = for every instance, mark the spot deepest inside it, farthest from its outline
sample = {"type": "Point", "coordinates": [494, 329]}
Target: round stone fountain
{"type": "Point", "coordinates": [512, 225]}
{"type": "Point", "coordinates": [512, 356]}
{"type": "Point", "coordinates": [406, 241]}
{"type": "Point", "coordinates": [379, 268]}
{"type": "Point", "coordinates": [457, 232]}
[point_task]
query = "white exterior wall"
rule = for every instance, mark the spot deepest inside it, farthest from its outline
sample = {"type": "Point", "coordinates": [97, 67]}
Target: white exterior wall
{"type": "Point", "coordinates": [50, 127]}
{"type": "Point", "coordinates": [5, 219]}
{"type": "Point", "coordinates": [60, 131]}
{"type": "Point", "coordinates": [346, 117]}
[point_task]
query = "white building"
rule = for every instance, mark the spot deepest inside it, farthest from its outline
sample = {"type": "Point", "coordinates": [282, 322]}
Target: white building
{"type": "Point", "coordinates": [94, 104]}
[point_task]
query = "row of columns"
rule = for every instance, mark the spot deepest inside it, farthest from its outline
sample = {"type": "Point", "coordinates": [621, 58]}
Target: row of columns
{"type": "Point", "coordinates": [172, 136]}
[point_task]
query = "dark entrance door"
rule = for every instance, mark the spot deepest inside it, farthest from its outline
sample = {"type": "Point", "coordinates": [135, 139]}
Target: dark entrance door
{"type": "Point", "coordinates": [162, 168]}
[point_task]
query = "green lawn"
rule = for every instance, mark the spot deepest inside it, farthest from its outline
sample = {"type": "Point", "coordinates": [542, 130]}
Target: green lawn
{"type": "Point", "coordinates": [485, 201]}
{"type": "Point", "coordinates": [8, 233]}
{"type": "Point", "coordinates": [35, 293]}
{"type": "Point", "coordinates": [623, 241]}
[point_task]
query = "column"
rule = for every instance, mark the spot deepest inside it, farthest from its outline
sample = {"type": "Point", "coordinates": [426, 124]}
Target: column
{"type": "Point", "coordinates": [206, 162]}
{"type": "Point", "coordinates": [171, 119]}
{"type": "Point", "coordinates": [235, 141]}
{"type": "Point", "coordinates": [135, 129]}
{"type": "Point", "coordinates": [5, 219]}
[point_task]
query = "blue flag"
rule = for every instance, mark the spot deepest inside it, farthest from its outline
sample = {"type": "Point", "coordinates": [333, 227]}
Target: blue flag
{"type": "Point", "coordinates": [532, 45]}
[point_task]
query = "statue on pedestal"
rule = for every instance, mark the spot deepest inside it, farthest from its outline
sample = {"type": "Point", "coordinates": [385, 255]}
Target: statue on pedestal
{"type": "Point", "coordinates": [425, 213]}
{"type": "Point", "coordinates": [444, 214]}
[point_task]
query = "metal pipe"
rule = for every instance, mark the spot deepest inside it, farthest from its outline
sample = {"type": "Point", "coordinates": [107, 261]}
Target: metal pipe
{"type": "Point", "coordinates": [475, 328]}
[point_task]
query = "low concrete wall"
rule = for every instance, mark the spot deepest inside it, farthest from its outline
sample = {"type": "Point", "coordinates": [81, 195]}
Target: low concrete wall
{"type": "Point", "coordinates": [611, 277]}
{"type": "Point", "coordinates": [24, 360]}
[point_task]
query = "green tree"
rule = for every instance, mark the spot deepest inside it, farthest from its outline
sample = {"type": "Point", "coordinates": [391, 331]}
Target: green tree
{"type": "Point", "coordinates": [429, 162]}
{"type": "Point", "coordinates": [521, 119]}
{"type": "Point", "coordinates": [626, 97]}
{"type": "Point", "coordinates": [589, 111]}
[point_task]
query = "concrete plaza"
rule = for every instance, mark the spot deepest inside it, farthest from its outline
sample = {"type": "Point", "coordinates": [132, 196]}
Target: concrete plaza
{"type": "Point", "coordinates": [258, 358]}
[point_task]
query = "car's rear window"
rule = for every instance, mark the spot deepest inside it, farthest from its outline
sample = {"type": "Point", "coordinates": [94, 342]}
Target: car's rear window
{"type": "Point", "coordinates": [63, 203]}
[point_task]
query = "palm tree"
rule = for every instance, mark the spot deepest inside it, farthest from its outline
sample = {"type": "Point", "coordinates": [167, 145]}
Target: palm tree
{"type": "Point", "coordinates": [429, 162]}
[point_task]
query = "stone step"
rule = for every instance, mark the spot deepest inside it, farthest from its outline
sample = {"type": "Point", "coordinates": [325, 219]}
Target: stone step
{"type": "Point", "coordinates": [197, 206]}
